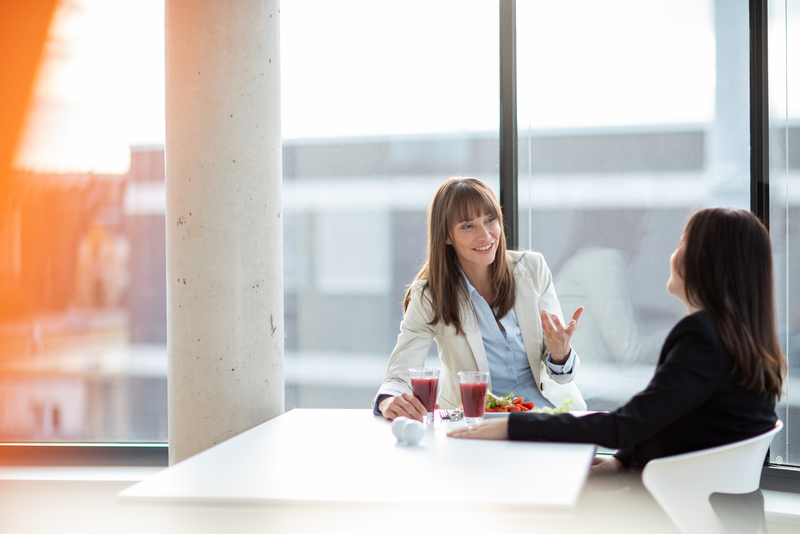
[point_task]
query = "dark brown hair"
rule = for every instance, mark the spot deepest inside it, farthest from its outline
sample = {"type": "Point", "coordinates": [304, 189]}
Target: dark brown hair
{"type": "Point", "coordinates": [726, 266]}
{"type": "Point", "coordinates": [459, 199]}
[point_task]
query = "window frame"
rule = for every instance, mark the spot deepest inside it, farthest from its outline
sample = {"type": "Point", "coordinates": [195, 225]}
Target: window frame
{"type": "Point", "coordinates": [773, 476]}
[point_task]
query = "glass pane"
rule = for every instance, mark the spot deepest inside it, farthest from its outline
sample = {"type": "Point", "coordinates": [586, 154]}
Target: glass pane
{"type": "Point", "coordinates": [82, 291]}
{"type": "Point", "coordinates": [784, 191]}
{"type": "Point", "coordinates": [631, 115]}
{"type": "Point", "coordinates": [374, 120]}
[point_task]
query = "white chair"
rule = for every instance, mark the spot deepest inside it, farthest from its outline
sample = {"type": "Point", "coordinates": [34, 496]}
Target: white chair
{"type": "Point", "coordinates": [682, 484]}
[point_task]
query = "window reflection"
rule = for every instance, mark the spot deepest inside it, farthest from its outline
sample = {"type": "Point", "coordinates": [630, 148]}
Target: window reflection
{"type": "Point", "coordinates": [623, 132]}
{"type": "Point", "coordinates": [68, 370]}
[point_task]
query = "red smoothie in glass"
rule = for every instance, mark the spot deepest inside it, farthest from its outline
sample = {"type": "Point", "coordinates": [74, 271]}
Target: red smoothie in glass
{"type": "Point", "coordinates": [473, 398]}
{"type": "Point", "coordinates": [425, 389]}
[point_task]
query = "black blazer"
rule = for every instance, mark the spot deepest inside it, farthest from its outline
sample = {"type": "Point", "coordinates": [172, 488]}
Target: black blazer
{"type": "Point", "coordinates": [693, 402]}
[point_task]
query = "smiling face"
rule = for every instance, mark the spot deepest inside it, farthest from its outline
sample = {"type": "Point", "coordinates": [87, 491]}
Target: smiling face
{"type": "Point", "coordinates": [475, 240]}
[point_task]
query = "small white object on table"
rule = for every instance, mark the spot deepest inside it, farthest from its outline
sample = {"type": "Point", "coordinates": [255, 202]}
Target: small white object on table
{"type": "Point", "coordinates": [408, 431]}
{"type": "Point", "coordinates": [351, 456]}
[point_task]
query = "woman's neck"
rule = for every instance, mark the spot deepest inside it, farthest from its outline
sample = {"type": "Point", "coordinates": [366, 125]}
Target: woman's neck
{"type": "Point", "coordinates": [691, 309]}
{"type": "Point", "coordinates": [481, 279]}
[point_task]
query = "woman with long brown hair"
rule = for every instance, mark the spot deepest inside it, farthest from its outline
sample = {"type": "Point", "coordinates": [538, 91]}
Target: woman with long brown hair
{"type": "Point", "coordinates": [720, 370]}
{"type": "Point", "coordinates": [487, 308]}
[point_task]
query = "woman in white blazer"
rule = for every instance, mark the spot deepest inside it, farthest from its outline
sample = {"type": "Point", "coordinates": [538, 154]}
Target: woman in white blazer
{"type": "Point", "coordinates": [468, 267]}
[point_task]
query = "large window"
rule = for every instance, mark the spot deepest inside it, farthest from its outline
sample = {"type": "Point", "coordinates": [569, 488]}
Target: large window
{"type": "Point", "coordinates": [630, 115]}
{"type": "Point", "coordinates": [373, 121]}
{"type": "Point", "coordinates": [82, 305]}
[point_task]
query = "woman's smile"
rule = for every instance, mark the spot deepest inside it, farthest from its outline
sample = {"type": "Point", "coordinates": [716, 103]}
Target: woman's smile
{"type": "Point", "coordinates": [475, 240]}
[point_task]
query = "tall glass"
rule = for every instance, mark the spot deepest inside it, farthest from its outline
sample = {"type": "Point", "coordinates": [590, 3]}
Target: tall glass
{"type": "Point", "coordinates": [425, 383]}
{"type": "Point", "coordinates": [474, 385]}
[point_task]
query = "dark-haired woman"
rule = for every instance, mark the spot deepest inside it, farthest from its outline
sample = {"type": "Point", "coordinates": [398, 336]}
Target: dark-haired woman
{"type": "Point", "coordinates": [488, 309]}
{"type": "Point", "coordinates": [720, 370]}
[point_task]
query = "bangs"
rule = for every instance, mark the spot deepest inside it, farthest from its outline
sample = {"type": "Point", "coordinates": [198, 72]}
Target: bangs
{"type": "Point", "coordinates": [469, 202]}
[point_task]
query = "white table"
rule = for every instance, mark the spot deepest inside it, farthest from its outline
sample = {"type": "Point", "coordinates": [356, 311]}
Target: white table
{"type": "Point", "coordinates": [351, 456]}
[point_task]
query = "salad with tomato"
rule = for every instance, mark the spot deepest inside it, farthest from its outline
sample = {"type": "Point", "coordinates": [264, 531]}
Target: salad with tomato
{"type": "Point", "coordinates": [510, 403]}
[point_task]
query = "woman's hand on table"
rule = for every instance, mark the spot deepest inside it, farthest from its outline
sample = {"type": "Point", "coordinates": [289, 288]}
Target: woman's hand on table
{"type": "Point", "coordinates": [403, 405]}
{"type": "Point", "coordinates": [558, 336]}
{"type": "Point", "coordinates": [605, 465]}
{"type": "Point", "coordinates": [491, 429]}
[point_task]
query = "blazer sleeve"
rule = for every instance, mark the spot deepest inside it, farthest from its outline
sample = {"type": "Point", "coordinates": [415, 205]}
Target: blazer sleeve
{"type": "Point", "coordinates": [686, 377]}
{"type": "Point", "coordinates": [543, 284]}
{"type": "Point", "coordinates": [413, 342]}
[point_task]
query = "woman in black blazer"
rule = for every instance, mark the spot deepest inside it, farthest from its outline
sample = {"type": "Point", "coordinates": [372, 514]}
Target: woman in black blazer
{"type": "Point", "coordinates": [720, 370]}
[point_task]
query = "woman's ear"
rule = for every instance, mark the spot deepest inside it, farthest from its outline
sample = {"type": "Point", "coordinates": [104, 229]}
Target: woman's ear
{"type": "Point", "coordinates": [447, 241]}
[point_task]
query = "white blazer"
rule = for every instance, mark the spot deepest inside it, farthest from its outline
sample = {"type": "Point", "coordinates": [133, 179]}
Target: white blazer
{"type": "Point", "coordinates": [457, 352]}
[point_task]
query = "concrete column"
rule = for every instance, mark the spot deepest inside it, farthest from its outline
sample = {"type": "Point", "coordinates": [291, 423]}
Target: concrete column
{"type": "Point", "coordinates": [223, 220]}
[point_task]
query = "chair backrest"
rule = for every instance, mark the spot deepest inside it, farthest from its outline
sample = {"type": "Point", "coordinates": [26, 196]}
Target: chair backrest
{"type": "Point", "coordinates": [682, 484]}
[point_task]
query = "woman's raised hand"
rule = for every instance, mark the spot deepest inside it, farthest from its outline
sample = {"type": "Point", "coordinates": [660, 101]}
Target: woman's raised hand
{"type": "Point", "coordinates": [558, 336]}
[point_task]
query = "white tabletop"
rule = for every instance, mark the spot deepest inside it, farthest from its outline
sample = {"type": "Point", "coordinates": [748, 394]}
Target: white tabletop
{"type": "Point", "coordinates": [351, 456]}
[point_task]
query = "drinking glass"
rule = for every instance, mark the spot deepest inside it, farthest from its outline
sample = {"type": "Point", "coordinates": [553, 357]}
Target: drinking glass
{"type": "Point", "coordinates": [425, 383]}
{"type": "Point", "coordinates": [474, 385]}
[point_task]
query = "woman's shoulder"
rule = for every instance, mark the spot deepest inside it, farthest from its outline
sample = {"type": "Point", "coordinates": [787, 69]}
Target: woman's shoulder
{"type": "Point", "coordinates": [417, 291]}
{"type": "Point", "coordinates": [698, 329]}
{"type": "Point", "coordinates": [418, 305]}
{"type": "Point", "coordinates": [698, 322]}
{"type": "Point", "coordinates": [526, 258]}
{"type": "Point", "coordinates": [529, 264]}
{"type": "Point", "coordinates": [695, 346]}
{"type": "Point", "coordinates": [417, 285]}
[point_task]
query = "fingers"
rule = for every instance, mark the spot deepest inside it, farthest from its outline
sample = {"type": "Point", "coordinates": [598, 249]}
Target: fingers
{"type": "Point", "coordinates": [605, 465]}
{"type": "Point", "coordinates": [558, 336]}
{"type": "Point", "coordinates": [576, 316]}
{"type": "Point", "coordinates": [551, 322]}
{"type": "Point", "coordinates": [494, 429]}
{"type": "Point", "coordinates": [597, 466]}
{"type": "Point", "coordinates": [405, 405]}
{"type": "Point", "coordinates": [547, 324]}
{"type": "Point", "coordinates": [552, 329]}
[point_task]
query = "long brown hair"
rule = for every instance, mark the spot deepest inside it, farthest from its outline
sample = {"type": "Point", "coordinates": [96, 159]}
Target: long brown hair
{"type": "Point", "coordinates": [458, 199]}
{"type": "Point", "coordinates": [726, 266]}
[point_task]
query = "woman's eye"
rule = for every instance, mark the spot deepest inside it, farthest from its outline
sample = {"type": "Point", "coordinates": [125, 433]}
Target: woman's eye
{"type": "Point", "coordinates": [491, 219]}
